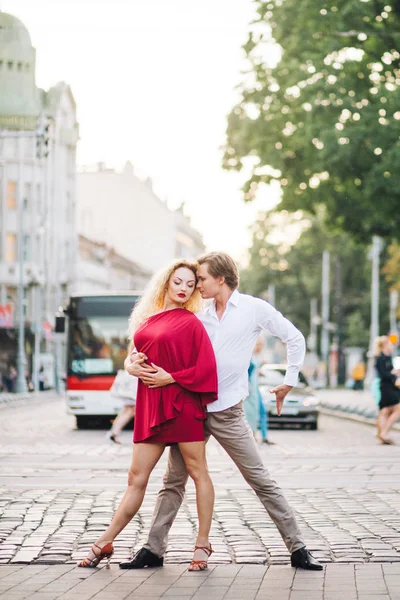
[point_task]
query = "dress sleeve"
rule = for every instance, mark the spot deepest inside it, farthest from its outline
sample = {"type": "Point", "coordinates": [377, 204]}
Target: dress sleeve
{"type": "Point", "coordinates": [384, 373]}
{"type": "Point", "coordinates": [201, 373]}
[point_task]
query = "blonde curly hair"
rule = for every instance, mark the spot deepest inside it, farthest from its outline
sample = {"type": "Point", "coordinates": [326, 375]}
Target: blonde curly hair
{"type": "Point", "coordinates": [153, 297]}
{"type": "Point", "coordinates": [379, 344]}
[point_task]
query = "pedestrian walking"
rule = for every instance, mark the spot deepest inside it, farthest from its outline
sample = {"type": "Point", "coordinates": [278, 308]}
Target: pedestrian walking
{"type": "Point", "coordinates": [42, 379]}
{"type": "Point", "coordinates": [251, 404]}
{"type": "Point", "coordinates": [389, 404]}
{"type": "Point", "coordinates": [358, 374]}
{"type": "Point", "coordinates": [10, 378]}
{"type": "Point", "coordinates": [124, 388]}
{"type": "Point", "coordinates": [233, 321]}
{"type": "Point", "coordinates": [255, 412]}
{"type": "Point", "coordinates": [178, 378]}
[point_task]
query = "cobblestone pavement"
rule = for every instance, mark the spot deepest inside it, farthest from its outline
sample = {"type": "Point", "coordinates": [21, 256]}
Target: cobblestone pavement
{"type": "Point", "coordinates": [59, 487]}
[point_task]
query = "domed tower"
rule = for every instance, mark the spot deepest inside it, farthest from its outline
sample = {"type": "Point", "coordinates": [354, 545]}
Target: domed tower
{"type": "Point", "coordinates": [19, 96]}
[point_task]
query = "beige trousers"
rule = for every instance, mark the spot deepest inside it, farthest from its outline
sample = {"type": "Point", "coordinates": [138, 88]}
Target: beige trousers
{"type": "Point", "coordinates": [231, 430]}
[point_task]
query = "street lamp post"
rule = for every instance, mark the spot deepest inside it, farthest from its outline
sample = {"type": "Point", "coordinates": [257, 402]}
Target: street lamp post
{"type": "Point", "coordinates": [20, 384]}
{"type": "Point", "coordinates": [325, 312]}
{"type": "Point", "coordinates": [375, 251]}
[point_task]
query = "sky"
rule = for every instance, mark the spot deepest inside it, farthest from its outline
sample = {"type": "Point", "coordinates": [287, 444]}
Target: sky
{"type": "Point", "coordinates": [154, 81]}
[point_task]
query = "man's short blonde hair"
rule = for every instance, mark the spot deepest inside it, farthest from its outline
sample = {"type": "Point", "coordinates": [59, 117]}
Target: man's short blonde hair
{"type": "Point", "coordinates": [221, 265]}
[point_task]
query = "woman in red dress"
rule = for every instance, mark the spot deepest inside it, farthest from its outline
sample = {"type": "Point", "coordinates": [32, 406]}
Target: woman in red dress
{"type": "Point", "coordinates": [178, 380]}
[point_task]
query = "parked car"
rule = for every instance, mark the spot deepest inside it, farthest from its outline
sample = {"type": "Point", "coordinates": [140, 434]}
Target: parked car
{"type": "Point", "coordinates": [301, 406]}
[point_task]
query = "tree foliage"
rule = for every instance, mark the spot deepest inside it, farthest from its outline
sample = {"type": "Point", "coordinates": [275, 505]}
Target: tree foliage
{"type": "Point", "coordinates": [392, 267]}
{"type": "Point", "coordinates": [324, 121]}
{"type": "Point", "coordinates": [286, 252]}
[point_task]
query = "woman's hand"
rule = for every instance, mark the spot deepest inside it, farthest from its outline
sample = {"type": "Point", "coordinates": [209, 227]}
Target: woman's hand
{"type": "Point", "coordinates": [135, 363]}
{"type": "Point", "coordinates": [158, 378]}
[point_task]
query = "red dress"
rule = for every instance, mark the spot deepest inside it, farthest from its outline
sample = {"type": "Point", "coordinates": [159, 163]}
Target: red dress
{"type": "Point", "coordinates": [176, 341]}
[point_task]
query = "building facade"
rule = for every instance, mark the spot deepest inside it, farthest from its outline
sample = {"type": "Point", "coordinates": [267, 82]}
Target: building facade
{"type": "Point", "coordinates": [100, 269]}
{"type": "Point", "coordinates": [124, 212]}
{"type": "Point", "coordinates": [38, 138]}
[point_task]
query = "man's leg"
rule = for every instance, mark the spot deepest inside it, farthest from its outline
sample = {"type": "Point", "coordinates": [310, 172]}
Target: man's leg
{"type": "Point", "coordinates": [232, 432]}
{"type": "Point", "coordinates": [168, 503]}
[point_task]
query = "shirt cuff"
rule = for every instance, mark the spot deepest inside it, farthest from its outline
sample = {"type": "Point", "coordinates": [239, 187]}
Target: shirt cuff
{"type": "Point", "coordinates": [291, 379]}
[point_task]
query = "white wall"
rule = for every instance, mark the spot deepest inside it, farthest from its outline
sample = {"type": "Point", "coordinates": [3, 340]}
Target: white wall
{"type": "Point", "coordinates": [124, 212]}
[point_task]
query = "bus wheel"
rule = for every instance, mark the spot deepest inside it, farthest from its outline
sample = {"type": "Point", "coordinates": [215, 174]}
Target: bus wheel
{"type": "Point", "coordinates": [82, 422]}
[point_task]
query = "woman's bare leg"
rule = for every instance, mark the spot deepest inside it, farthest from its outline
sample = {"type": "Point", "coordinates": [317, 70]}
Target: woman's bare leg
{"type": "Point", "coordinates": [144, 459]}
{"type": "Point", "coordinates": [392, 418]}
{"type": "Point", "coordinates": [194, 455]}
{"type": "Point", "coordinates": [380, 423]}
{"type": "Point", "coordinates": [127, 413]}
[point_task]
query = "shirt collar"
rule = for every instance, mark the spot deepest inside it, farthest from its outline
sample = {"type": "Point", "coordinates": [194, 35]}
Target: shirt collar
{"type": "Point", "coordinates": [234, 299]}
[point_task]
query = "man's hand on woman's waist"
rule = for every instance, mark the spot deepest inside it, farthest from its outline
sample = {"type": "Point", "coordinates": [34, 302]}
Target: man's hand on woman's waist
{"type": "Point", "coordinates": [158, 377]}
{"type": "Point", "coordinates": [135, 364]}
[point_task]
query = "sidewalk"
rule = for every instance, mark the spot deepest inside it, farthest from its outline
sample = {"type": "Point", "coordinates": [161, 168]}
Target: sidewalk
{"type": "Point", "coordinates": [224, 582]}
{"type": "Point", "coordinates": [9, 399]}
{"type": "Point", "coordinates": [359, 406]}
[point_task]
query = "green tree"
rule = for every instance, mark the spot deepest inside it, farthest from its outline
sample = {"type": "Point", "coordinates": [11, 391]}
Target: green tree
{"type": "Point", "coordinates": [325, 121]}
{"type": "Point", "coordinates": [287, 252]}
{"type": "Point", "coordinates": [391, 269]}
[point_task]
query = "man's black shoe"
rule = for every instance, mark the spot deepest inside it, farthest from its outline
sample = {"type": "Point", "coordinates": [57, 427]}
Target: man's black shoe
{"type": "Point", "coordinates": [143, 558]}
{"type": "Point", "coordinates": [302, 559]}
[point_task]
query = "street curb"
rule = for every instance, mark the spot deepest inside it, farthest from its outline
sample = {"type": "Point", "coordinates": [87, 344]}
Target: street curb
{"type": "Point", "coordinates": [14, 400]}
{"type": "Point", "coordinates": [341, 414]}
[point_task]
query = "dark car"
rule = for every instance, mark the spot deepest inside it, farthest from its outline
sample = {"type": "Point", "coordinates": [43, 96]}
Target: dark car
{"type": "Point", "coordinates": [301, 406]}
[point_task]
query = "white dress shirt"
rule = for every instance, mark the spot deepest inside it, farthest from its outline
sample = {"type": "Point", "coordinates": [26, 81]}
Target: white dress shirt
{"type": "Point", "coordinates": [233, 339]}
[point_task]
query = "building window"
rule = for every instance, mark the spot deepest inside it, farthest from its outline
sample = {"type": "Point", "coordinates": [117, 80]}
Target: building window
{"type": "Point", "coordinates": [1, 65]}
{"type": "Point", "coordinates": [39, 249]}
{"type": "Point", "coordinates": [19, 66]}
{"type": "Point", "coordinates": [27, 195]}
{"type": "Point", "coordinates": [27, 67]}
{"type": "Point", "coordinates": [11, 293]}
{"type": "Point", "coordinates": [39, 199]}
{"type": "Point", "coordinates": [12, 195]}
{"type": "Point", "coordinates": [10, 65]}
{"type": "Point", "coordinates": [11, 247]}
{"type": "Point", "coordinates": [29, 147]}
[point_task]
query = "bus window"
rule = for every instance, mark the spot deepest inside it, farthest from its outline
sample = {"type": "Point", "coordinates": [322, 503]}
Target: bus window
{"type": "Point", "coordinates": [98, 329]}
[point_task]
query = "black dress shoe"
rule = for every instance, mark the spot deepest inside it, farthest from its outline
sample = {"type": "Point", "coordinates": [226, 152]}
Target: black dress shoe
{"type": "Point", "coordinates": [143, 558]}
{"type": "Point", "coordinates": [302, 559]}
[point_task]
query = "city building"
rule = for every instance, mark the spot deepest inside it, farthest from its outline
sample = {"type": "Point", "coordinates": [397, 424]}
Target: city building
{"type": "Point", "coordinates": [127, 231]}
{"type": "Point", "coordinates": [124, 212]}
{"type": "Point", "coordinates": [38, 138]}
{"type": "Point", "coordinates": [188, 242]}
{"type": "Point", "coordinates": [100, 269]}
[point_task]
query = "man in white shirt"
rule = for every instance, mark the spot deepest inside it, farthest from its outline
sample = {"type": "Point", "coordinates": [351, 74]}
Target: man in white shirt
{"type": "Point", "coordinates": [233, 321]}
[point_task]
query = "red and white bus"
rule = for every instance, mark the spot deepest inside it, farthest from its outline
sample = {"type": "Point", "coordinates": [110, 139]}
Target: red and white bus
{"type": "Point", "coordinates": [96, 349]}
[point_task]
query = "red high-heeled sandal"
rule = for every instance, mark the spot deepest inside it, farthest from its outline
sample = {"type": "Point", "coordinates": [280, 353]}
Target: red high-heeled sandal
{"type": "Point", "coordinates": [106, 551]}
{"type": "Point", "coordinates": [201, 565]}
